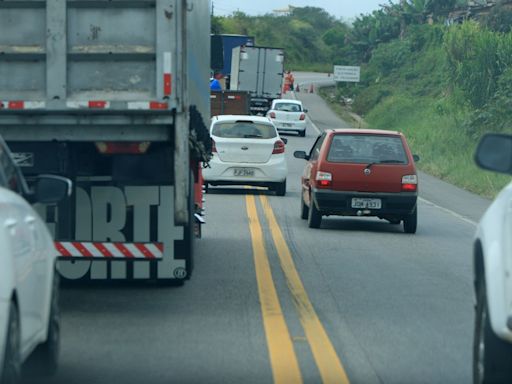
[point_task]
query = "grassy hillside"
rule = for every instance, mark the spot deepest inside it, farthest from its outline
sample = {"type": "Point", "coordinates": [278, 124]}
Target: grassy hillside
{"type": "Point", "coordinates": [444, 87]}
{"type": "Point", "coordinates": [409, 85]}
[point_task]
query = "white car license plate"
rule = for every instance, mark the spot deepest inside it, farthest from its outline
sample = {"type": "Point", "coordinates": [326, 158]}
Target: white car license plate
{"type": "Point", "coordinates": [243, 172]}
{"type": "Point", "coordinates": [287, 125]}
{"type": "Point", "coordinates": [366, 203]}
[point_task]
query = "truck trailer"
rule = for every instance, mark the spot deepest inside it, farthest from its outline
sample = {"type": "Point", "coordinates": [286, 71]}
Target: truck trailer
{"type": "Point", "coordinates": [258, 70]}
{"type": "Point", "coordinates": [115, 96]}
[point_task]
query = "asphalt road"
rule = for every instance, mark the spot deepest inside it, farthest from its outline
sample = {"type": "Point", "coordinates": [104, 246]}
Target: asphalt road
{"type": "Point", "coordinates": [273, 301]}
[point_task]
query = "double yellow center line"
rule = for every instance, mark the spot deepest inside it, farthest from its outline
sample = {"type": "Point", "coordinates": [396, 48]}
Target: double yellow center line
{"type": "Point", "coordinates": [285, 368]}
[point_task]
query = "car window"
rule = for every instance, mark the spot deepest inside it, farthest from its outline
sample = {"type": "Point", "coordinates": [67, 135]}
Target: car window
{"type": "Point", "coordinates": [287, 107]}
{"type": "Point", "coordinates": [244, 129]}
{"type": "Point", "coordinates": [9, 172]}
{"type": "Point", "coordinates": [367, 149]}
{"type": "Point", "coordinates": [315, 150]}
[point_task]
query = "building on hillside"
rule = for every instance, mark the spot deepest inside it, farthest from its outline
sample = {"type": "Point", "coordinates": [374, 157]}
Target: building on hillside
{"type": "Point", "coordinates": [475, 10]}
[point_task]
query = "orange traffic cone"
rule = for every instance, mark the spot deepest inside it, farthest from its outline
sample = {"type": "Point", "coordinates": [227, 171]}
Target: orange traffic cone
{"type": "Point", "coordinates": [311, 89]}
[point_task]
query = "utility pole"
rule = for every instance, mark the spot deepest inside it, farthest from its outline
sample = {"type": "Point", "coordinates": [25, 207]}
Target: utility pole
{"type": "Point", "coordinates": [213, 8]}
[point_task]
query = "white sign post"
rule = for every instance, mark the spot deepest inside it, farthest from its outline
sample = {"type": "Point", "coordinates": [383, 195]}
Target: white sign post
{"type": "Point", "coordinates": [347, 74]}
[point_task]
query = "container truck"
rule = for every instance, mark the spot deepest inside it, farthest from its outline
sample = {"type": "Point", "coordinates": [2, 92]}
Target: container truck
{"type": "Point", "coordinates": [115, 96]}
{"type": "Point", "coordinates": [258, 70]}
{"type": "Point", "coordinates": [222, 50]}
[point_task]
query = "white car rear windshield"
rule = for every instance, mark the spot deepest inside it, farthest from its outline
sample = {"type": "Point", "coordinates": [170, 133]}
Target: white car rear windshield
{"type": "Point", "coordinates": [367, 149]}
{"type": "Point", "coordinates": [244, 129]}
{"type": "Point", "coordinates": [287, 107]}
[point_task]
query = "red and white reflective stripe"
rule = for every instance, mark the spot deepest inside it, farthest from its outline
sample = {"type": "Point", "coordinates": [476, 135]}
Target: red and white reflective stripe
{"type": "Point", "coordinates": [167, 73]}
{"type": "Point", "coordinates": [138, 105]}
{"type": "Point", "coordinates": [19, 104]}
{"type": "Point", "coordinates": [233, 97]}
{"type": "Point", "coordinates": [98, 104]}
{"type": "Point", "coordinates": [147, 251]}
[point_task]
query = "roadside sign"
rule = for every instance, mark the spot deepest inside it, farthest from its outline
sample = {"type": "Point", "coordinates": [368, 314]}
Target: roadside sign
{"type": "Point", "coordinates": [347, 74]}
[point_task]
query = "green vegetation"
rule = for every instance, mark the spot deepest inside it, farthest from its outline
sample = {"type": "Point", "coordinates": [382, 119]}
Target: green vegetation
{"type": "Point", "coordinates": [443, 86]}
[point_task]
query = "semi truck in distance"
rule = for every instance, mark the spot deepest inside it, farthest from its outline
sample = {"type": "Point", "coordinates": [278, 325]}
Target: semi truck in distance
{"type": "Point", "coordinates": [115, 96]}
{"type": "Point", "coordinates": [258, 70]}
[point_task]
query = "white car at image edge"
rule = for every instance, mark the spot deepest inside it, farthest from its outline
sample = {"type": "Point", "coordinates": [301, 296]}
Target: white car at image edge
{"type": "Point", "coordinates": [288, 115]}
{"type": "Point", "coordinates": [246, 150]}
{"type": "Point", "coordinates": [492, 261]}
{"type": "Point", "coordinates": [29, 313]}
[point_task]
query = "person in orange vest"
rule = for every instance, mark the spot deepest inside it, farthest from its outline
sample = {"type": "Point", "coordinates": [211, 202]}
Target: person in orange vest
{"type": "Point", "coordinates": [288, 81]}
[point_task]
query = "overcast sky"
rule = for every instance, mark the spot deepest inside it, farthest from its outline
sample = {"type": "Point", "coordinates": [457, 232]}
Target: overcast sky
{"type": "Point", "coordinates": [345, 9]}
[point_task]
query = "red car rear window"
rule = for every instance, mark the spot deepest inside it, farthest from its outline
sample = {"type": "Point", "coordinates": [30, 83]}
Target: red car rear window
{"type": "Point", "coordinates": [346, 148]}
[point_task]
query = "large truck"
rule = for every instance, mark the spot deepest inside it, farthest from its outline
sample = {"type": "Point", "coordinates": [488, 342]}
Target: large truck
{"type": "Point", "coordinates": [222, 50]}
{"type": "Point", "coordinates": [258, 70]}
{"type": "Point", "coordinates": [115, 96]}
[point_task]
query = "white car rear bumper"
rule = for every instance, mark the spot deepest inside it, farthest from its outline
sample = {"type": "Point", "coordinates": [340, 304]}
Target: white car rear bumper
{"type": "Point", "coordinates": [291, 126]}
{"type": "Point", "coordinates": [275, 170]}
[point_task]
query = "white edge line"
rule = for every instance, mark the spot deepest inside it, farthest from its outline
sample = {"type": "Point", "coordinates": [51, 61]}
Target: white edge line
{"type": "Point", "coordinates": [449, 211]}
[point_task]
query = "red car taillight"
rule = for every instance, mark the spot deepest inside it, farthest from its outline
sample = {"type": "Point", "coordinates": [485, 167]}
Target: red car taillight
{"type": "Point", "coordinates": [278, 147]}
{"type": "Point", "coordinates": [410, 183]}
{"type": "Point", "coordinates": [214, 147]}
{"type": "Point", "coordinates": [302, 116]}
{"type": "Point", "coordinates": [323, 179]}
{"type": "Point", "coordinates": [272, 115]}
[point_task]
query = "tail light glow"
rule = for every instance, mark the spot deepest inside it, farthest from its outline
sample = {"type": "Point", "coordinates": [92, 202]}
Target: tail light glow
{"type": "Point", "coordinates": [410, 183]}
{"type": "Point", "coordinates": [324, 179]}
{"type": "Point", "coordinates": [109, 148]}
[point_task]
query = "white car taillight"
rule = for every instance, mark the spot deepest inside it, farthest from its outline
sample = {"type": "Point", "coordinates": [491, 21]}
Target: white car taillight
{"type": "Point", "coordinates": [409, 183]}
{"type": "Point", "coordinates": [272, 115]}
{"type": "Point", "coordinates": [302, 116]}
{"type": "Point", "coordinates": [324, 179]}
{"type": "Point", "coordinates": [278, 147]}
{"type": "Point", "coordinates": [214, 147]}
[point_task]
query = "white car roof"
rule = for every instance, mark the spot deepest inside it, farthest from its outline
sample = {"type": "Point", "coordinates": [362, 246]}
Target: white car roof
{"type": "Point", "coordinates": [256, 119]}
{"type": "Point", "coordinates": [291, 101]}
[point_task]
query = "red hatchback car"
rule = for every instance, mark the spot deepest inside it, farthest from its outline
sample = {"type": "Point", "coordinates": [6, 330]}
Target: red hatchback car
{"type": "Point", "coordinates": [360, 172]}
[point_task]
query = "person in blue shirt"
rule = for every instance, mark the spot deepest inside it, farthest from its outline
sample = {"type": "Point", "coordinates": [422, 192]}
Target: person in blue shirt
{"type": "Point", "coordinates": [215, 84]}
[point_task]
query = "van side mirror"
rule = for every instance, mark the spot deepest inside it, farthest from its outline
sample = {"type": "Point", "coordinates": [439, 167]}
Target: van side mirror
{"type": "Point", "coordinates": [494, 153]}
{"type": "Point", "coordinates": [415, 157]}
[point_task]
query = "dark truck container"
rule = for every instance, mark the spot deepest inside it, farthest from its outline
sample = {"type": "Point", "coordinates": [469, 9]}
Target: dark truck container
{"type": "Point", "coordinates": [222, 49]}
{"type": "Point", "coordinates": [230, 103]}
{"type": "Point", "coordinates": [113, 95]}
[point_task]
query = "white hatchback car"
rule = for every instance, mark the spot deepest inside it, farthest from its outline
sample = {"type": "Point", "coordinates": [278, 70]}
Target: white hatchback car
{"type": "Point", "coordinates": [247, 150]}
{"type": "Point", "coordinates": [492, 261]}
{"type": "Point", "coordinates": [288, 116]}
{"type": "Point", "coordinates": [29, 313]}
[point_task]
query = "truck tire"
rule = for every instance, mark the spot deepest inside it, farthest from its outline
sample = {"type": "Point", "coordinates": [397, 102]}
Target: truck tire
{"type": "Point", "coordinates": [185, 248]}
{"type": "Point", "coordinates": [44, 360]}
{"type": "Point", "coordinates": [314, 216]}
{"type": "Point", "coordinates": [492, 356]}
{"type": "Point", "coordinates": [11, 370]}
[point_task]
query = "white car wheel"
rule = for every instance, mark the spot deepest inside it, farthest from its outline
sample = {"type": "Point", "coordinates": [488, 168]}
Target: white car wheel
{"type": "Point", "coordinates": [11, 371]}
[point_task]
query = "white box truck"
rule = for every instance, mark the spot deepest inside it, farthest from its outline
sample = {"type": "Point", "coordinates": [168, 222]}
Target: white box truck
{"type": "Point", "coordinates": [258, 70]}
{"type": "Point", "coordinates": [115, 96]}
